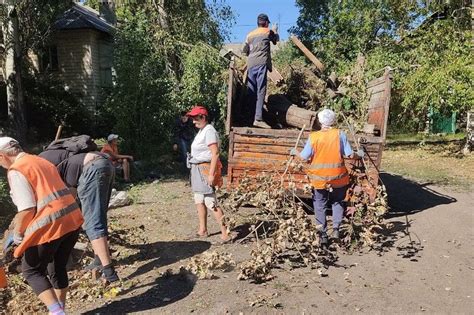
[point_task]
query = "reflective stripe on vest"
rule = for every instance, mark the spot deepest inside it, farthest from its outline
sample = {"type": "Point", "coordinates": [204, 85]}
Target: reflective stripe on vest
{"type": "Point", "coordinates": [53, 196]}
{"type": "Point", "coordinates": [327, 178]}
{"type": "Point", "coordinates": [325, 165]}
{"type": "Point", "coordinates": [38, 224]}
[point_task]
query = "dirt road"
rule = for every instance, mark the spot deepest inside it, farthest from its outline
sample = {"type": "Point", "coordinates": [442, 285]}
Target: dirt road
{"type": "Point", "coordinates": [427, 263]}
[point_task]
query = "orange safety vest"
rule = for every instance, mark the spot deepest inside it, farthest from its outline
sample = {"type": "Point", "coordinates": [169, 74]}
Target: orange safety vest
{"type": "Point", "coordinates": [327, 166]}
{"type": "Point", "coordinates": [205, 167]}
{"type": "Point", "coordinates": [57, 213]}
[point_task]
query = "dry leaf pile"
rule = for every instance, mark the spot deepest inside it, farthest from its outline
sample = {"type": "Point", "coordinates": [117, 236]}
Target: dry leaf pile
{"type": "Point", "coordinates": [203, 265]}
{"type": "Point", "coordinates": [364, 217]}
{"type": "Point", "coordinates": [284, 232]}
{"type": "Point", "coordinates": [286, 235]}
{"type": "Point", "coordinates": [19, 298]}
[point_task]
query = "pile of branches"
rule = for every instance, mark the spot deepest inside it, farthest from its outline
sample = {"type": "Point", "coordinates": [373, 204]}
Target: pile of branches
{"type": "Point", "coordinates": [284, 232]}
{"type": "Point", "coordinates": [286, 235]}
{"type": "Point", "coordinates": [306, 87]}
{"type": "Point", "coordinates": [302, 86]}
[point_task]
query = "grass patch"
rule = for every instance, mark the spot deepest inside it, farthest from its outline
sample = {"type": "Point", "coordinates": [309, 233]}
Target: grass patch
{"type": "Point", "coordinates": [420, 137]}
{"type": "Point", "coordinates": [440, 164]}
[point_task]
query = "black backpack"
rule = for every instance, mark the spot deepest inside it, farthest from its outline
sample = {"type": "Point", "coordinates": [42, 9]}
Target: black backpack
{"type": "Point", "coordinates": [74, 145]}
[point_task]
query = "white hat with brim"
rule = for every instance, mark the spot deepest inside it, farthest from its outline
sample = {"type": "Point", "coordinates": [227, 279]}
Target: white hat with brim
{"type": "Point", "coordinates": [112, 137]}
{"type": "Point", "coordinates": [6, 143]}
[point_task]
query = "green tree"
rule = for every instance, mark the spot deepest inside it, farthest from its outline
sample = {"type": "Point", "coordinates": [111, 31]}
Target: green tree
{"type": "Point", "coordinates": [426, 42]}
{"type": "Point", "coordinates": [166, 60]}
{"type": "Point", "coordinates": [26, 26]}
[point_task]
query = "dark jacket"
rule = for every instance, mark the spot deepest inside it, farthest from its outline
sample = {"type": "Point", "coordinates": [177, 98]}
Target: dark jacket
{"type": "Point", "coordinates": [257, 47]}
{"type": "Point", "coordinates": [184, 131]}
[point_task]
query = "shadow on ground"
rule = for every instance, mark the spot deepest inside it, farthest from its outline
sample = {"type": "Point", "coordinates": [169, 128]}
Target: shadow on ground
{"type": "Point", "coordinates": [407, 197]}
{"type": "Point", "coordinates": [165, 290]}
{"type": "Point", "coordinates": [159, 254]}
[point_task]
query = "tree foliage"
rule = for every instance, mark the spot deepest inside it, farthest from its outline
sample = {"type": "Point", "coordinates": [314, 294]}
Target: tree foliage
{"type": "Point", "coordinates": [427, 43]}
{"type": "Point", "coordinates": [166, 61]}
{"type": "Point", "coordinates": [45, 100]}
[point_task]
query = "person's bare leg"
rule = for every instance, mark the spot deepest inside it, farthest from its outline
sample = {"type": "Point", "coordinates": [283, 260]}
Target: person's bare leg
{"type": "Point", "coordinates": [101, 249]}
{"type": "Point", "coordinates": [126, 170]}
{"type": "Point", "coordinates": [219, 214]}
{"type": "Point", "coordinates": [48, 297]}
{"type": "Point", "coordinates": [61, 295]}
{"type": "Point", "coordinates": [202, 214]}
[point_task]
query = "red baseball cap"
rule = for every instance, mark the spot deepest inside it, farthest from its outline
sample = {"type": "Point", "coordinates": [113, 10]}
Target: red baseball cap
{"type": "Point", "coordinates": [198, 110]}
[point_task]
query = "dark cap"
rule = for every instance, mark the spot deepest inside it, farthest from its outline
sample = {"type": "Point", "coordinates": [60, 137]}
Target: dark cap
{"type": "Point", "coordinates": [263, 17]}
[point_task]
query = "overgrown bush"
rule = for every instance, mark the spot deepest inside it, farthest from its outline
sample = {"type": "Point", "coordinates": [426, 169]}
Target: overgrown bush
{"type": "Point", "coordinates": [49, 105]}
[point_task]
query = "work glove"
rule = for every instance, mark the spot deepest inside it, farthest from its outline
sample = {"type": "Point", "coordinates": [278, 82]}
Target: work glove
{"type": "Point", "coordinates": [360, 153]}
{"type": "Point", "coordinates": [17, 238]}
{"type": "Point", "coordinates": [293, 152]}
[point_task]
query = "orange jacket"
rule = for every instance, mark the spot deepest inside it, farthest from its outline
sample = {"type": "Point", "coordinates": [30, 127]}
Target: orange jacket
{"type": "Point", "coordinates": [327, 166]}
{"type": "Point", "coordinates": [57, 213]}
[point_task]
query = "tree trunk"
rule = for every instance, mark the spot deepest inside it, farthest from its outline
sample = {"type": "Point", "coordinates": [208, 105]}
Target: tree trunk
{"type": "Point", "coordinates": [15, 94]}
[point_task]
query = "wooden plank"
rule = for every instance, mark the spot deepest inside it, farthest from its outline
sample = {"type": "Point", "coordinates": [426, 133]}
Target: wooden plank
{"type": "Point", "coordinates": [230, 169]}
{"type": "Point", "coordinates": [277, 149]}
{"type": "Point", "coordinates": [230, 96]}
{"type": "Point", "coordinates": [275, 76]}
{"type": "Point", "coordinates": [275, 133]}
{"type": "Point", "coordinates": [267, 141]}
{"type": "Point", "coordinates": [308, 53]}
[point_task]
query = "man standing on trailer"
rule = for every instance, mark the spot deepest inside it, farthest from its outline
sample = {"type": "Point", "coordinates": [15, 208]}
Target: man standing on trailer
{"type": "Point", "coordinates": [257, 48]}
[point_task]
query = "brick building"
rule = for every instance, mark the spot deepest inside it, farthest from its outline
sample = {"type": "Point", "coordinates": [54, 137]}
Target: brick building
{"type": "Point", "coordinates": [79, 53]}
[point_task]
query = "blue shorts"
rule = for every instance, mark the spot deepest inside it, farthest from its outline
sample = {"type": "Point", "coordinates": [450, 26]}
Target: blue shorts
{"type": "Point", "coordinates": [93, 190]}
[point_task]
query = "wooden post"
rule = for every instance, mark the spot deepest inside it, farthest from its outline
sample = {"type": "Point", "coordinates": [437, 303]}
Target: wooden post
{"type": "Point", "coordinates": [308, 53]}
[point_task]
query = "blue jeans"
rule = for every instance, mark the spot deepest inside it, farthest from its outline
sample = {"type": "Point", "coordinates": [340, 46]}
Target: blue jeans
{"type": "Point", "coordinates": [257, 88]}
{"type": "Point", "coordinates": [323, 199]}
{"type": "Point", "coordinates": [184, 147]}
{"type": "Point", "coordinates": [93, 190]}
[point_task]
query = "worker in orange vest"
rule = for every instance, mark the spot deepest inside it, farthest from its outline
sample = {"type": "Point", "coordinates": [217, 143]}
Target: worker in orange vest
{"type": "Point", "coordinates": [325, 150]}
{"type": "Point", "coordinates": [46, 226]}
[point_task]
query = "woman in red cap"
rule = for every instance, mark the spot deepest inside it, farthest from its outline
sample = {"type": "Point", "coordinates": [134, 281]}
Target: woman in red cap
{"type": "Point", "coordinates": [206, 171]}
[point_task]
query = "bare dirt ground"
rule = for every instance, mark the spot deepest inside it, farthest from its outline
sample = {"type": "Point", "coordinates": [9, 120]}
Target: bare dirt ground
{"type": "Point", "coordinates": [426, 265]}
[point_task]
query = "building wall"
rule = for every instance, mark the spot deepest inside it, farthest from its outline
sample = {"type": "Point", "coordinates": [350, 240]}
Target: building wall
{"type": "Point", "coordinates": [78, 59]}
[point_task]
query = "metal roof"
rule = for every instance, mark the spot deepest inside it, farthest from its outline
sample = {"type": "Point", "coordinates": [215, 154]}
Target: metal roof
{"type": "Point", "coordinates": [81, 17]}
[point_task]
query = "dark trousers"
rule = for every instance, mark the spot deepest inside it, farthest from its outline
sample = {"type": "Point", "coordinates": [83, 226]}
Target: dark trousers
{"type": "Point", "coordinates": [48, 260]}
{"type": "Point", "coordinates": [323, 200]}
{"type": "Point", "coordinates": [257, 88]}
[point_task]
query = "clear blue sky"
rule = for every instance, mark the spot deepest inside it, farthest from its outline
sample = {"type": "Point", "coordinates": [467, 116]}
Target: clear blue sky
{"type": "Point", "coordinates": [283, 11]}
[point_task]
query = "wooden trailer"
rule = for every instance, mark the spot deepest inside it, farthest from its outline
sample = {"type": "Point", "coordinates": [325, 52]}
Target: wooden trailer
{"type": "Point", "coordinates": [254, 150]}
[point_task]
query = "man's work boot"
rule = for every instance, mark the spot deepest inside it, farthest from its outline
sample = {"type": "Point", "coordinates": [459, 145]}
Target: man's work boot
{"type": "Point", "coordinates": [109, 274]}
{"type": "Point", "coordinates": [335, 235]}
{"type": "Point", "coordinates": [261, 124]}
